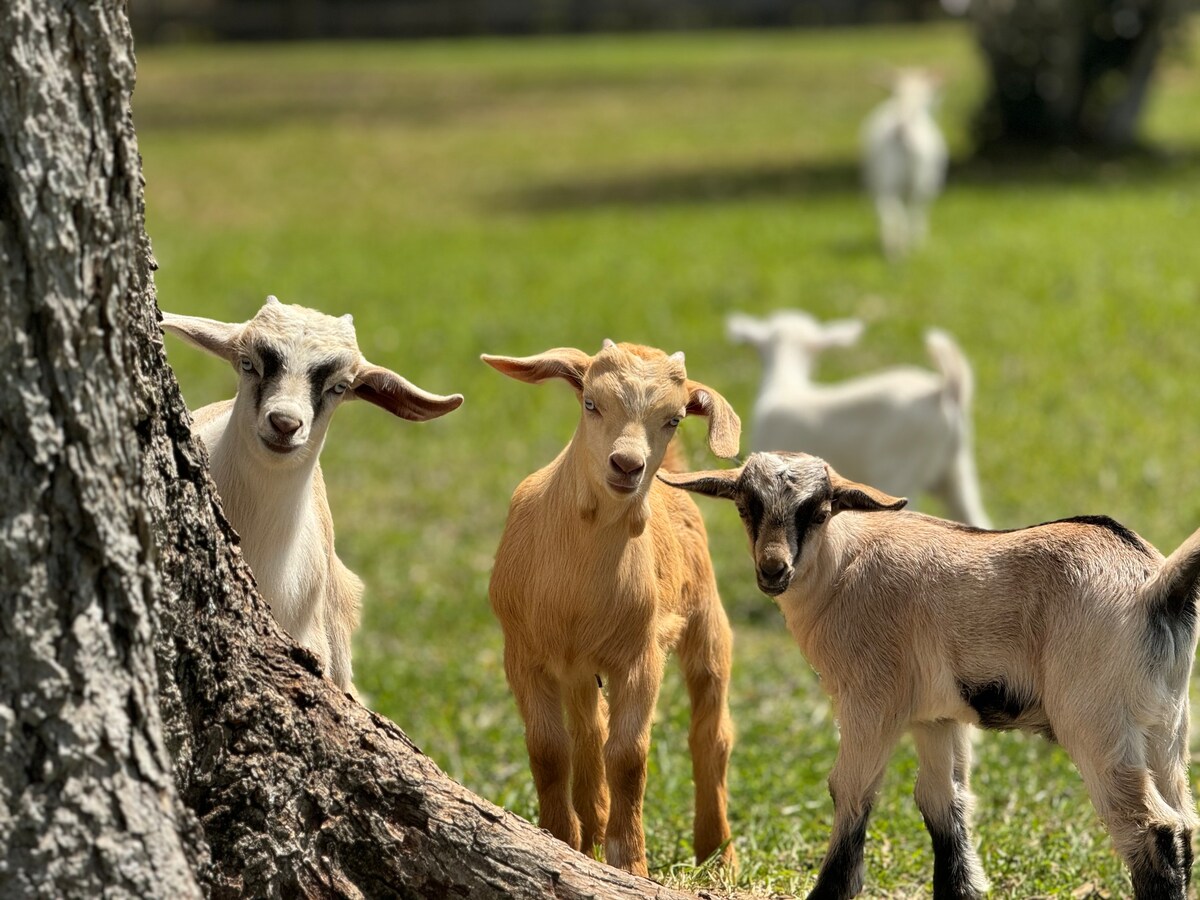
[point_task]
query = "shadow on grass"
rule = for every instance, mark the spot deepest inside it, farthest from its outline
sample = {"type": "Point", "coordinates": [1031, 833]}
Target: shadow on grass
{"type": "Point", "coordinates": [782, 181]}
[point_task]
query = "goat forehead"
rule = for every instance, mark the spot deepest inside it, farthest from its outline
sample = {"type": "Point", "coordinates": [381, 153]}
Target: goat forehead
{"type": "Point", "coordinates": [303, 335]}
{"type": "Point", "coordinates": [640, 378]}
{"type": "Point", "coordinates": [781, 482]}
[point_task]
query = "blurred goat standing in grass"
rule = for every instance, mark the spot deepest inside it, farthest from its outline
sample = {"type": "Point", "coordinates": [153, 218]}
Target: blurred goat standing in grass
{"type": "Point", "coordinates": [904, 160]}
{"type": "Point", "coordinates": [602, 571]}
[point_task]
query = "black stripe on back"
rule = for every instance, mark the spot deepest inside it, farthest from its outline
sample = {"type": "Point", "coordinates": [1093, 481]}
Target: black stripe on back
{"type": "Point", "coordinates": [1126, 535]}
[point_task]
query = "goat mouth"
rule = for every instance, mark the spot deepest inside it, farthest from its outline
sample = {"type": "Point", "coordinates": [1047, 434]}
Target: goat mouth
{"type": "Point", "coordinates": [773, 587]}
{"type": "Point", "coordinates": [281, 449]}
{"type": "Point", "coordinates": [622, 487]}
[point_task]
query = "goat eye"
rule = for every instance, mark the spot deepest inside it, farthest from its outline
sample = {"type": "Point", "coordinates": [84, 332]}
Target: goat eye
{"type": "Point", "coordinates": [675, 420]}
{"type": "Point", "coordinates": [589, 404]}
{"type": "Point", "coordinates": [341, 387]}
{"type": "Point", "coordinates": [246, 364]}
{"type": "Point", "coordinates": [820, 516]}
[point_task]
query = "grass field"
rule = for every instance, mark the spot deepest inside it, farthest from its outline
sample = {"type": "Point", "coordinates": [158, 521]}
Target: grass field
{"type": "Point", "coordinates": [509, 196]}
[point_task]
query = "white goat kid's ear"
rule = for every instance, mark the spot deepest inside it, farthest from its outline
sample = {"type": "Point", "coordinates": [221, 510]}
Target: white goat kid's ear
{"type": "Point", "coordinates": [743, 329]}
{"type": "Point", "coordinates": [841, 333]}
{"type": "Point", "coordinates": [217, 338]}
{"type": "Point", "coordinates": [400, 397]}
{"type": "Point", "coordinates": [849, 494]}
{"type": "Point", "coordinates": [721, 483]}
{"type": "Point", "coordinates": [724, 426]}
{"type": "Point", "coordinates": [566, 363]}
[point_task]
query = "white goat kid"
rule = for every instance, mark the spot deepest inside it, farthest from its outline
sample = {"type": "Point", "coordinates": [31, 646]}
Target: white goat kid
{"type": "Point", "coordinates": [904, 160]}
{"type": "Point", "coordinates": [601, 571]}
{"type": "Point", "coordinates": [295, 367]}
{"type": "Point", "coordinates": [905, 429]}
{"type": "Point", "coordinates": [1077, 630]}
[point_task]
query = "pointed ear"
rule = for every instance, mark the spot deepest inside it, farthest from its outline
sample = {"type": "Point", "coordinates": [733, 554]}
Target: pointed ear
{"type": "Point", "coordinates": [400, 397]}
{"type": "Point", "coordinates": [721, 483]}
{"type": "Point", "coordinates": [724, 426]}
{"type": "Point", "coordinates": [566, 363]}
{"type": "Point", "coordinates": [218, 338]}
{"type": "Point", "coordinates": [849, 494]}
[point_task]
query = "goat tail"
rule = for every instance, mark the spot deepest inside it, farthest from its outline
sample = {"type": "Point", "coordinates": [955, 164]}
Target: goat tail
{"type": "Point", "coordinates": [1170, 594]}
{"type": "Point", "coordinates": [953, 364]}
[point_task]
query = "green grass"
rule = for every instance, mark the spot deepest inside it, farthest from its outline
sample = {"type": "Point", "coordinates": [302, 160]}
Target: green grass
{"type": "Point", "coordinates": [509, 196]}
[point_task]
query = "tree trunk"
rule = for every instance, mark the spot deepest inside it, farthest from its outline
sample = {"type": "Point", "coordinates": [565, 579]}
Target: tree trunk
{"type": "Point", "coordinates": [112, 534]}
{"type": "Point", "coordinates": [1068, 72]}
{"type": "Point", "coordinates": [88, 800]}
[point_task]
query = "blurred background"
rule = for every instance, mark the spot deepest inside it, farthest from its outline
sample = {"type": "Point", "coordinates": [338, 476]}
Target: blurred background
{"type": "Point", "coordinates": [505, 176]}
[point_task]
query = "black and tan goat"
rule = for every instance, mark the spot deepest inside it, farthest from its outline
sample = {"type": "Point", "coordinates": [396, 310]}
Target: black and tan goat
{"type": "Point", "coordinates": [1078, 630]}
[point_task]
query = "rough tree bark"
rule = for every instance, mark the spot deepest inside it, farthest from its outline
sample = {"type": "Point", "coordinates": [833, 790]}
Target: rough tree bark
{"type": "Point", "coordinates": [110, 533]}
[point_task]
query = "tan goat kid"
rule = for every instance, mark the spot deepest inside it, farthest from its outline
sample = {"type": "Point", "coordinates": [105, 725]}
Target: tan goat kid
{"type": "Point", "coordinates": [295, 366]}
{"type": "Point", "coordinates": [1078, 630]}
{"type": "Point", "coordinates": [602, 571]}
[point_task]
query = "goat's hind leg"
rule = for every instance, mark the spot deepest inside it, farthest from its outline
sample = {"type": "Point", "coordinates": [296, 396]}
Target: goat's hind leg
{"type": "Point", "coordinates": [587, 714]}
{"type": "Point", "coordinates": [1145, 830]}
{"type": "Point", "coordinates": [944, 797]}
{"type": "Point", "coordinates": [705, 654]}
{"type": "Point", "coordinates": [539, 700]}
{"type": "Point", "coordinates": [1168, 755]}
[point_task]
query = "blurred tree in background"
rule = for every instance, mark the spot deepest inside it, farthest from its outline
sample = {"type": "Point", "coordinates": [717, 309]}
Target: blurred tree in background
{"type": "Point", "coordinates": [1069, 72]}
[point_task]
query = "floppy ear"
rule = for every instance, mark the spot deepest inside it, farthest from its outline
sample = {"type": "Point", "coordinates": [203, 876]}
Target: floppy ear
{"type": "Point", "coordinates": [721, 483]}
{"type": "Point", "coordinates": [724, 426]}
{"type": "Point", "coordinates": [744, 329]}
{"type": "Point", "coordinates": [400, 397]}
{"type": "Point", "coordinates": [849, 494]}
{"type": "Point", "coordinates": [218, 338]}
{"type": "Point", "coordinates": [566, 363]}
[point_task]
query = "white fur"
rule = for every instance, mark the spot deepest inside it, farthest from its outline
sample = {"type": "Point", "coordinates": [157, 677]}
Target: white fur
{"type": "Point", "coordinates": [270, 480]}
{"type": "Point", "coordinates": [906, 430]}
{"type": "Point", "coordinates": [904, 161]}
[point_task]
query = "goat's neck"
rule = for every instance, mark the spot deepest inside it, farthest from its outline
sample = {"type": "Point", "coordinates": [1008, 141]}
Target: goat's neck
{"type": "Point", "coordinates": [267, 507]}
{"type": "Point", "coordinates": [786, 364]}
{"type": "Point", "coordinates": [594, 506]}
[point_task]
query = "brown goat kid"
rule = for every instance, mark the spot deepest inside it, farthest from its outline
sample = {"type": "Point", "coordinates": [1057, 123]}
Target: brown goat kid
{"type": "Point", "coordinates": [1078, 630]}
{"type": "Point", "coordinates": [602, 571]}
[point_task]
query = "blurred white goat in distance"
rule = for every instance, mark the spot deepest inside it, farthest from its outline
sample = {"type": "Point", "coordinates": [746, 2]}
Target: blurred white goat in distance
{"type": "Point", "coordinates": [904, 160]}
{"type": "Point", "coordinates": [905, 429]}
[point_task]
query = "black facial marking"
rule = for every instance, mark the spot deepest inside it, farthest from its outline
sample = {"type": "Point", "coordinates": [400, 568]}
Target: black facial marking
{"type": "Point", "coordinates": [751, 509]}
{"type": "Point", "coordinates": [1003, 708]}
{"type": "Point", "coordinates": [953, 868]}
{"type": "Point", "coordinates": [272, 366]}
{"type": "Point", "coordinates": [318, 375]}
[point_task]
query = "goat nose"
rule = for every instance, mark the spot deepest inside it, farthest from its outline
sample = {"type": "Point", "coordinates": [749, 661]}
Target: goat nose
{"type": "Point", "coordinates": [284, 425]}
{"type": "Point", "coordinates": [627, 463]}
{"type": "Point", "coordinates": [772, 568]}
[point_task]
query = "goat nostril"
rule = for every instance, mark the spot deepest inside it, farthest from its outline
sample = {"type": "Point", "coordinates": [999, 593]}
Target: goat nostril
{"type": "Point", "coordinates": [284, 425]}
{"type": "Point", "coordinates": [626, 464]}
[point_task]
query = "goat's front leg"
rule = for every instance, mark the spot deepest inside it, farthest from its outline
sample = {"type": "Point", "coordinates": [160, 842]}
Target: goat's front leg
{"type": "Point", "coordinates": [631, 698]}
{"type": "Point", "coordinates": [540, 702]}
{"type": "Point", "coordinates": [587, 714]}
{"type": "Point", "coordinates": [945, 801]}
{"type": "Point", "coordinates": [865, 747]}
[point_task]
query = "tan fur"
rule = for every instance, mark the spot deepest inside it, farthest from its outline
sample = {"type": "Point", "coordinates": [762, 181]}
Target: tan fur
{"type": "Point", "coordinates": [1082, 625]}
{"type": "Point", "coordinates": [592, 582]}
{"type": "Point", "coordinates": [275, 498]}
